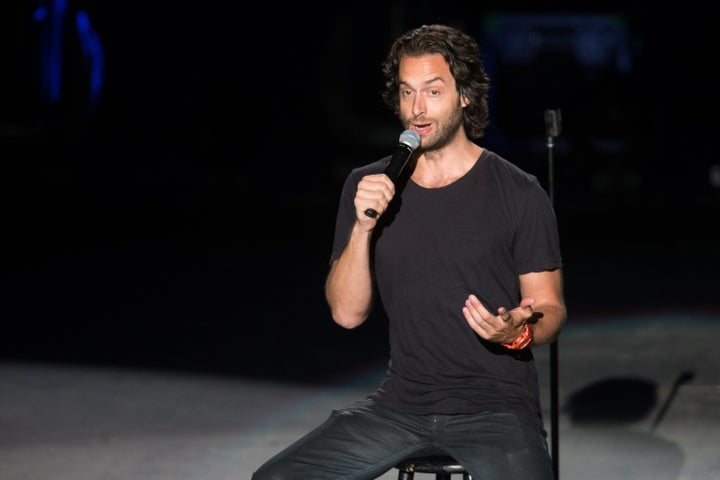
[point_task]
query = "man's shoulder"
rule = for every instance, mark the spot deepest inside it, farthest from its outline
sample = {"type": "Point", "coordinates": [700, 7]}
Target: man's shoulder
{"type": "Point", "coordinates": [377, 166]}
{"type": "Point", "coordinates": [356, 173]}
{"type": "Point", "coordinates": [511, 169]}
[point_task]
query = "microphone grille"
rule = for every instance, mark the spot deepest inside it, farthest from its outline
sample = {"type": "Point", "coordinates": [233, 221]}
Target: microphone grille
{"type": "Point", "coordinates": [410, 138]}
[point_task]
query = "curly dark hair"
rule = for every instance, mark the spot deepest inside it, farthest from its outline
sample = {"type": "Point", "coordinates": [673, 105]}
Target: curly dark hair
{"type": "Point", "coordinates": [462, 54]}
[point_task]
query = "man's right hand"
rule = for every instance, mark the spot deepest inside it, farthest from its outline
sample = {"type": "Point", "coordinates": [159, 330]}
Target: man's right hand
{"type": "Point", "coordinates": [373, 192]}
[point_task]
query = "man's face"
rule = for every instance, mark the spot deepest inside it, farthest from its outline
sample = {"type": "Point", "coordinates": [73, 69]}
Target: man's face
{"type": "Point", "coordinates": [429, 101]}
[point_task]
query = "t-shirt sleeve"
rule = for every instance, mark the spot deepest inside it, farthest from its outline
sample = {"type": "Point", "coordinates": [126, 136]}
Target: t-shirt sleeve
{"type": "Point", "coordinates": [345, 217]}
{"type": "Point", "coordinates": [537, 241]}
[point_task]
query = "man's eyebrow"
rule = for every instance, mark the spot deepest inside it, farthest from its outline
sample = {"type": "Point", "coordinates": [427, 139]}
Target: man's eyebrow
{"type": "Point", "coordinates": [426, 82]}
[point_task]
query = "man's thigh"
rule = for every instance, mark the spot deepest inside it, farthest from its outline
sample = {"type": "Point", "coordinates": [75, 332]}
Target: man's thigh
{"type": "Point", "coordinates": [499, 446]}
{"type": "Point", "coordinates": [359, 442]}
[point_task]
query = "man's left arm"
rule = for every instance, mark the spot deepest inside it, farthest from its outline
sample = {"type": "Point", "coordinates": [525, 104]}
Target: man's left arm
{"type": "Point", "coordinates": [548, 310]}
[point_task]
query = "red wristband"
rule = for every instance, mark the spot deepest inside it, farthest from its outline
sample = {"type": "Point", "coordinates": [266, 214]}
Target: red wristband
{"type": "Point", "coordinates": [522, 341]}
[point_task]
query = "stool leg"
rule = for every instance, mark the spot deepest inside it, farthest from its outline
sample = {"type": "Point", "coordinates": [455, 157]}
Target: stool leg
{"type": "Point", "coordinates": [467, 476]}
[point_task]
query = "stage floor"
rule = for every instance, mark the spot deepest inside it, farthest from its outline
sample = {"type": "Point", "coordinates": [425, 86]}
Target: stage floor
{"type": "Point", "coordinates": [637, 399]}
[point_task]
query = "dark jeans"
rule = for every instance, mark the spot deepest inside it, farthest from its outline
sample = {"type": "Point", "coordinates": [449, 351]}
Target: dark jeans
{"type": "Point", "coordinates": [364, 440]}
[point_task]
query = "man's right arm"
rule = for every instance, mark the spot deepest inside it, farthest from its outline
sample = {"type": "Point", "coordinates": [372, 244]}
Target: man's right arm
{"type": "Point", "coordinates": [349, 285]}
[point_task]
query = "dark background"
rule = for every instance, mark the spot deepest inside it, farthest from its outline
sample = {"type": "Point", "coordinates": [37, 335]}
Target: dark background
{"type": "Point", "coordinates": [183, 216]}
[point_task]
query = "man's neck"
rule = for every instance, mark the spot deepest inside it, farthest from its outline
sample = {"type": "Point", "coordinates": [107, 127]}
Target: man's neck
{"type": "Point", "coordinates": [442, 167]}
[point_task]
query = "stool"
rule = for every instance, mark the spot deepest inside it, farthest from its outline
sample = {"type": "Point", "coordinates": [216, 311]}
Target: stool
{"type": "Point", "coordinates": [442, 466]}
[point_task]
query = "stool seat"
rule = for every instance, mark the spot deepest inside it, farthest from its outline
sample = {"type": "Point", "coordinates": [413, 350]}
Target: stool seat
{"type": "Point", "coordinates": [442, 466]}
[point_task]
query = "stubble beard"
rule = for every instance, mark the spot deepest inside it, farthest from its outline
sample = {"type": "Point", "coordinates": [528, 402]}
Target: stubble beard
{"type": "Point", "coordinates": [445, 131]}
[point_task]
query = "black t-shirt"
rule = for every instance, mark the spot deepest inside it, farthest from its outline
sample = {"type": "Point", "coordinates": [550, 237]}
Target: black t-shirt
{"type": "Point", "coordinates": [432, 249]}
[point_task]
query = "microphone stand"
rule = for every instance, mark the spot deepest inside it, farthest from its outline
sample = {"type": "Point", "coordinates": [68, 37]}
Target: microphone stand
{"type": "Point", "coordinates": [552, 129]}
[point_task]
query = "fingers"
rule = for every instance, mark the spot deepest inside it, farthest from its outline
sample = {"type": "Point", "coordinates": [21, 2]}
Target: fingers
{"type": "Point", "coordinates": [479, 318]}
{"type": "Point", "coordinates": [373, 192]}
{"type": "Point", "coordinates": [498, 327]}
{"type": "Point", "coordinates": [527, 302]}
{"type": "Point", "coordinates": [526, 307]}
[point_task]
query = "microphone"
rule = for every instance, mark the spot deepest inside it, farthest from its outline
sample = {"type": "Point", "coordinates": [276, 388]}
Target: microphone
{"type": "Point", "coordinates": [407, 143]}
{"type": "Point", "coordinates": [553, 122]}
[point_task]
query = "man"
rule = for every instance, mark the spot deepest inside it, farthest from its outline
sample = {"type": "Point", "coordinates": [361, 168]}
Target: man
{"type": "Point", "coordinates": [464, 257]}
